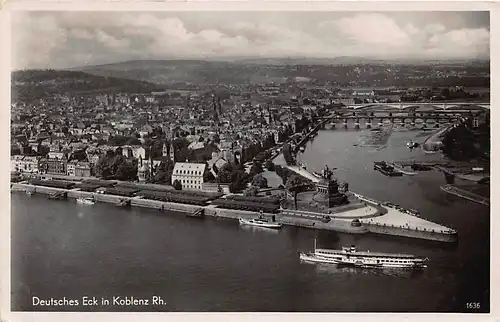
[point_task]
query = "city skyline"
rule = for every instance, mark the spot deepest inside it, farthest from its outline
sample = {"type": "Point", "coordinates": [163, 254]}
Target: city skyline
{"type": "Point", "coordinates": [71, 39]}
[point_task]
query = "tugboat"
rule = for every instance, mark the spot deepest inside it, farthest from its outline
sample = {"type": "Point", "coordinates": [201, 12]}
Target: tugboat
{"type": "Point", "coordinates": [260, 222]}
{"type": "Point", "coordinates": [349, 256]}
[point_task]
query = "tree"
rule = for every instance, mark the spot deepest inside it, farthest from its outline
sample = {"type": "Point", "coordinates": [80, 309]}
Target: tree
{"type": "Point", "coordinates": [224, 175]}
{"type": "Point", "coordinates": [288, 155]}
{"type": "Point", "coordinates": [459, 144]}
{"type": "Point", "coordinates": [259, 181]}
{"type": "Point", "coordinates": [269, 165]}
{"type": "Point", "coordinates": [208, 176]}
{"type": "Point", "coordinates": [293, 185]}
{"type": "Point", "coordinates": [133, 141]}
{"type": "Point", "coordinates": [111, 166]}
{"type": "Point", "coordinates": [118, 140]}
{"type": "Point", "coordinates": [256, 168]}
{"type": "Point", "coordinates": [251, 191]}
{"type": "Point", "coordinates": [126, 170]}
{"type": "Point", "coordinates": [283, 173]}
{"type": "Point", "coordinates": [164, 172]}
{"type": "Point", "coordinates": [233, 187]}
{"type": "Point", "coordinates": [177, 185]}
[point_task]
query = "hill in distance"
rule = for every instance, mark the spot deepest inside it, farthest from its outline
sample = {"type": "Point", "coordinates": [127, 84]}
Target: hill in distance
{"type": "Point", "coordinates": [243, 70]}
{"type": "Point", "coordinates": [35, 84]}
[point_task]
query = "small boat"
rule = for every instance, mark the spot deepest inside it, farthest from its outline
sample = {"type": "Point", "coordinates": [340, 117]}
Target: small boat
{"type": "Point", "coordinates": [302, 149]}
{"type": "Point", "coordinates": [200, 213]}
{"type": "Point", "coordinates": [58, 196]}
{"type": "Point", "coordinates": [260, 223]}
{"type": "Point", "coordinates": [412, 145]}
{"type": "Point", "coordinates": [30, 192]}
{"type": "Point", "coordinates": [349, 256]}
{"type": "Point", "coordinates": [123, 203]}
{"type": "Point", "coordinates": [86, 201]}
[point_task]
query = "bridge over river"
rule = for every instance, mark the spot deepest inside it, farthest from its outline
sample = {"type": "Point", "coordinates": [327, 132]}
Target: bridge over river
{"type": "Point", "coordinates": [431, 105]}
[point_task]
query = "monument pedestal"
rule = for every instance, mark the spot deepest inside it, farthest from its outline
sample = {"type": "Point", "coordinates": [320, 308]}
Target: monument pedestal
{"type": "Point", "coordinates": [328, 195]}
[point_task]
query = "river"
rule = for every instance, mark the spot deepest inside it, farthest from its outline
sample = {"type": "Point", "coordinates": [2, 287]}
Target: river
{"type": "Point", "coordinates": [61, 249]}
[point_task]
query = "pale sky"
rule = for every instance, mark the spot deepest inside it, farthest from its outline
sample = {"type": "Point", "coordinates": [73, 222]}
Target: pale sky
{"type": "Point", "coordinates": [69, 39]}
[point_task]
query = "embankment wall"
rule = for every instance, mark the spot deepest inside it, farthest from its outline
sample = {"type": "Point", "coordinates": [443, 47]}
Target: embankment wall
{"type": "Point", "coordinates": [405, 232]}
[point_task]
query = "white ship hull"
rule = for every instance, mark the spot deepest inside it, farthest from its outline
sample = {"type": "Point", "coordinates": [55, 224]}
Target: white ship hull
{"type": "Point", "coordinates": [350, 257]}
{"type": "Point", "coordinates": [260, 223]}
{"type": "Point", "coordinates": [312, 258]}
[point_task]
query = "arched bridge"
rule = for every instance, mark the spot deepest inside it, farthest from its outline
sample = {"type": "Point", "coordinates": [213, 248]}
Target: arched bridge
{"type": "Point", "coordinates": [433, 105]}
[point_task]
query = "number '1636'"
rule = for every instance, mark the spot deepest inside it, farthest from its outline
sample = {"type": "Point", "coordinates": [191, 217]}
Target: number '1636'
{"type": "Point", "coordinates": [473, 305]}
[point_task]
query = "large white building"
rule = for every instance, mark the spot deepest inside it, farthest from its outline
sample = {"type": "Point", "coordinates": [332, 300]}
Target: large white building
{"type": "Point", "coordinates": [190, 175]}
{"type": "Point", "coordinates": [26, 164]}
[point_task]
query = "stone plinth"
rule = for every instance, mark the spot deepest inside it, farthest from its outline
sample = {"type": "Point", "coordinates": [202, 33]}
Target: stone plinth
{"type": "Point", "coordinates": [328, 195]}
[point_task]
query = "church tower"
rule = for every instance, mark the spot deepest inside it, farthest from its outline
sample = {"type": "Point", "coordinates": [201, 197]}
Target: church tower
{"type": "Point", "coordinates": [164, 150]}
{"type": "Point", "coordinates": [172, 151]}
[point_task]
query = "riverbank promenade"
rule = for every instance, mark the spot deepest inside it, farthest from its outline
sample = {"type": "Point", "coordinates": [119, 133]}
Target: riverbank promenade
{"type": "Point", "coordinates": [303, 172]}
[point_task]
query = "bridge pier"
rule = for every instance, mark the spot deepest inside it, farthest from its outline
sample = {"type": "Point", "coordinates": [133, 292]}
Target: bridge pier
{"type": "Point", "coordinates": [356, 125]}
{"type": "Point", "coordinates": [345, 124]}
{"type": "Point", "coordinates": [332, 125]}
{"type": "Point", "coordinates": [369, 124]}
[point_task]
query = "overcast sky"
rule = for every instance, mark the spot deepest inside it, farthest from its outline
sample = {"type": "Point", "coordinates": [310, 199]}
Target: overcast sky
{"type": "Point", "coordinates": [68, 39]}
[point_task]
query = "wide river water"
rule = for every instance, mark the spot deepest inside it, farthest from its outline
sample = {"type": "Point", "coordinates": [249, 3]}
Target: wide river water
{"type": "Point", "coordinates": [61, 249]}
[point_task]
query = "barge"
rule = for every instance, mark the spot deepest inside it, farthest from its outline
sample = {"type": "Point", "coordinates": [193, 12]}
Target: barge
{"type": "Point", "coordinates": [386, 169]}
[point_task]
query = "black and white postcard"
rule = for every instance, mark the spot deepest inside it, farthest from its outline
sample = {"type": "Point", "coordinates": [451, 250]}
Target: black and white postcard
{"type": "Point", "coordinates": [248, 157]}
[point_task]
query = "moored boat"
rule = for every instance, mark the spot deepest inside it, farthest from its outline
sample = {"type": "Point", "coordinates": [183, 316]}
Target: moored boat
{"type": "Point", "coordinates": [260, 223]}
{"type": "Point", "coordinates": [200, 213]}
{"type": "Point", "coordinates": [349, 256]}
{"type": "Point", "coordinates": [86, 201]}
{"type": "Point", "coordinates": [386, 169]}
{"type": "Point", "coordinates": [400, 169]}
